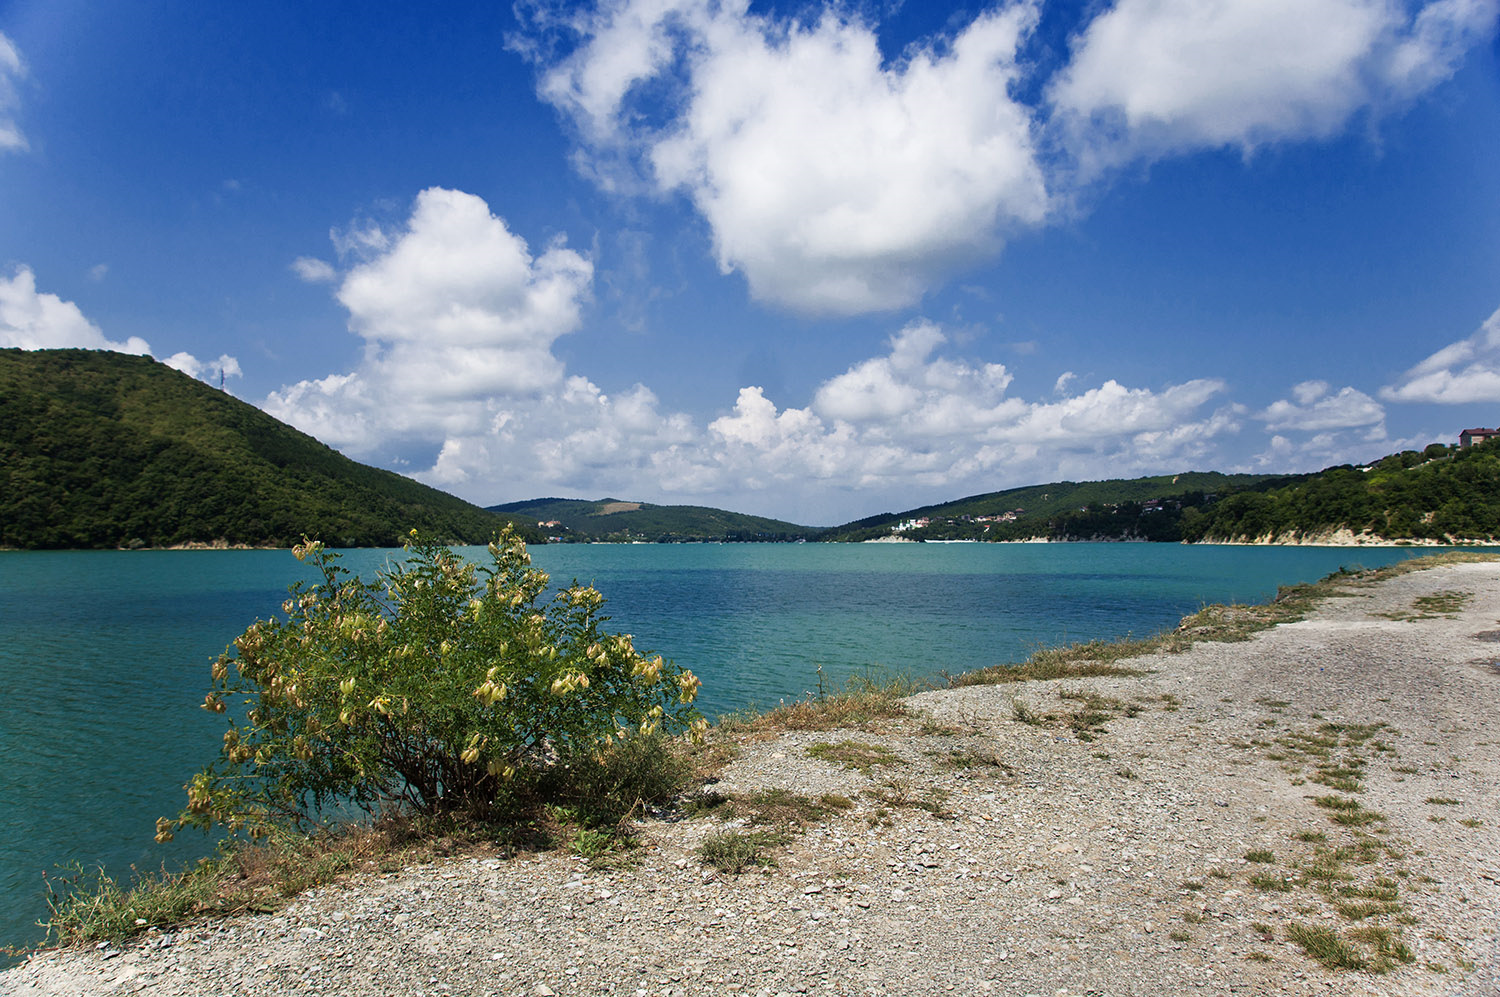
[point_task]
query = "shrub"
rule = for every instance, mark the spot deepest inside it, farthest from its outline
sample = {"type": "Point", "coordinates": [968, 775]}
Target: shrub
{"type": "Point", "coordinates": [442, 685]}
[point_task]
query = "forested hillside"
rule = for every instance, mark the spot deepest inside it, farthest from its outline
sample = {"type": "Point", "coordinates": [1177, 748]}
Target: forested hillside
{"type": "Point", "coordinates": [582, 520]}
{"type": "Point", "coordinates": [1441, 493]}
{"type": "Point", "coordinates": [1062, 510]}
{"type": "Point", "coordinates": [101, 449]}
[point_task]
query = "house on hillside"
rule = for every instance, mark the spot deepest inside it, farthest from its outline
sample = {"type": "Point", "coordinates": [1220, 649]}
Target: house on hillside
{"type": "Point", "coordinates": [1469, 437]}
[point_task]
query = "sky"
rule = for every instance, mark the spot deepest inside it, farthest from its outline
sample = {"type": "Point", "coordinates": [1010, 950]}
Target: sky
{"type": "Point", "coordinates": [813, 261]}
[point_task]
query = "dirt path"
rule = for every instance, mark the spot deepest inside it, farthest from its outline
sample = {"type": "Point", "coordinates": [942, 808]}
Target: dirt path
{"type": "Point", "coordinates": [1172, 833]}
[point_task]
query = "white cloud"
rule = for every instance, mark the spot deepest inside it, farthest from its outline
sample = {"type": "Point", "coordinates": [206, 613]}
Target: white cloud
{"type": "Point", "coordinates": [455, 313]}
{"type": "Point", "coordinates": [1312, 408]}
{"type": "Point", "coordinates": [204, 370]}
{"type": "Point", "coordinates": [459, 381]}
{"type": "Point", "coordinates": [835, 182]}
{"type": "Point", "coordinates": [12, 69]}
{"type": "Point", "coordinates": [1285, 455]}
{"type": "Point", "coordinates": [314, 270]}
{"type": "Point", "coordinates": [98, 272]}
{"type": "Point", "coordinates": [936, 423]}
{"type": "Point", "coordinates": [39, 321]}
{"type": "Point", "coordinates": [1459, 373]}
{"type": "Point", "coordinates": [838, 179]}
{"type": "Point", "coordinates": [1149, 77]}
{"type": "Point", "coordinates": [30, 320]}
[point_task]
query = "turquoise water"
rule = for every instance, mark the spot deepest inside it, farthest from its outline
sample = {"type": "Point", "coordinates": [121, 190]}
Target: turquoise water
{"type": "Point", "coordinates": [104, 655]}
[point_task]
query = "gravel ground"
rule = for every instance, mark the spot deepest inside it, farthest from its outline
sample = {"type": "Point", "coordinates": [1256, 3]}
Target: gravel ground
{"type": "Point", "coordinates": [1167, 848]}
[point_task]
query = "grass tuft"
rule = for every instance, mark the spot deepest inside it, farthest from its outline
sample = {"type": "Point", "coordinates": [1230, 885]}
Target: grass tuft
{"type": "Point", "coordinates": [861, 705]}
{"type": "Point", "coordinates": [735, 851]}
{"type": "Point", "coordinates": [855, 755]}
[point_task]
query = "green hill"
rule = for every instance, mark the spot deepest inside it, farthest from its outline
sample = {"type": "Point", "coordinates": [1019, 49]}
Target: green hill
{"type": "Point", "coordinates": [1137, 508]}
{"type": "Point", "coordinates": [102, 449]}
{"type": "Point", "coordinates": [609, 519]}
{"type": "Point", "coordinates": [1443, 493]}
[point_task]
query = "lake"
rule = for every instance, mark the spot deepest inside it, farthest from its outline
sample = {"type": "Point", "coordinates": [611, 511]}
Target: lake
{"type": "Point", "coordinates": [104, 655]}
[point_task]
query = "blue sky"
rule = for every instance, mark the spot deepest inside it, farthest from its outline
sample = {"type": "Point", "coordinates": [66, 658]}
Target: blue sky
{"type": "Point", "coordinates": [807, 261]}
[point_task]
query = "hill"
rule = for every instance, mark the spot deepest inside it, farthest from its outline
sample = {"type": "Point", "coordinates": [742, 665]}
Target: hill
{"type": "Point", "coordinates": [581, 520]}
{"type": "Point", "coordinates": [1443, 493]}
{"type": "Point", "coordinates": [101, 449]}
{"type": "Point", "coordinates": [1136, 508]}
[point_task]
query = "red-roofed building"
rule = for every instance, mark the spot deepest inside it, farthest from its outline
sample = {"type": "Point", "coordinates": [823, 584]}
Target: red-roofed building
{"type": "Point", "coordinates": [1469, 437]}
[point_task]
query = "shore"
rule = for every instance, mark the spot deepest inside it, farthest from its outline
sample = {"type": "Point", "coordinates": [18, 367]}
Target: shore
{"type": "Point", "coordinates": [1191, 829]}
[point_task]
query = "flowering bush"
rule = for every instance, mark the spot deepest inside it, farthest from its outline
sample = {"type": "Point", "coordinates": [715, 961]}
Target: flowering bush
{"type": "Point", "coordinates": [440, 684]}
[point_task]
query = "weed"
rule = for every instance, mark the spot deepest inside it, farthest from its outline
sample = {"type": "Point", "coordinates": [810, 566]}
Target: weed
{"type": "Point", "coordinates": [901, 793]}
{"type": "Point", "coordinates": [855, 755]}
{"type": "Point", "coordinates": [1325, 945]}
{"type": "Point", "coordinates": [736, 851]}
{"type": "Point", "coordinates": [705, 803]}
{"type": "Point", "coordinates": [966, 759]}
{"type": "Point", "coordinates": [1443, 604]}
{"type": "Point", "coordinates": [1442, 801]}
{"type": "Point", "coordinates": [1388, 946]}
{"type": "Point", "coordinates": [782, 806]}
{"type": "Point", "coordinates": [1179, 935]}
{"type": "Point", "coordinates": [866, 701]}
{"type": "Point", "coordinates": [1023, 713]}
{"type": "Point", "coordinates": [243, 877]}
{"type": "Point", "coordinates": [1094, 658]}
{"type": "Point", "coordinates": [1358, 910]}
{"type": "Point", "coordinates": [1270, 883]}
{"type": "Point", "coordinates": [1260, 855]}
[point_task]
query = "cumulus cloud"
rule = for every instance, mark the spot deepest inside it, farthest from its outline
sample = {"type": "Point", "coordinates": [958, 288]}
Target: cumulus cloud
{"type": "Point", "coordinates": [910, 418]}
{"type": "Point", "coordinates": [12, 69]}
{"type": "Point", "coordinates": [1459, 373]}
{"type": "Point", "coordinates": [35, 320]}
{"type": "Point", "coordinates": [459, 381]}
{"type": "Point", "coordinates": [454, 309]}
{"type": "Point", "coordinates": [1313, 408]}
{"type": "Point", "coordinates": [1150, 77]}
{"type": "Point", "coordinates": [835, 181]}
{"type": "Point", "coordinates": [204, 370]}
{"type": "Point", "coordinates": [1285, 454]}
{"type": "Point", "coordinates": [838, 178]}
